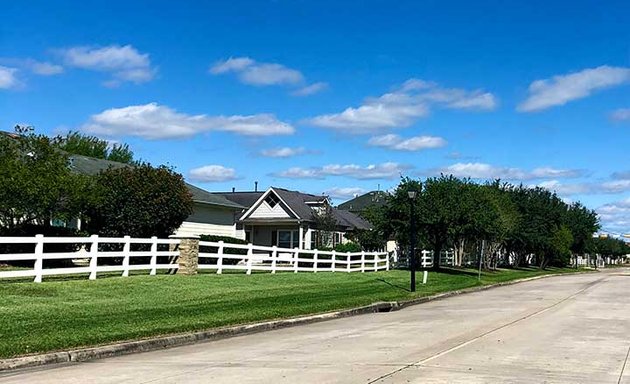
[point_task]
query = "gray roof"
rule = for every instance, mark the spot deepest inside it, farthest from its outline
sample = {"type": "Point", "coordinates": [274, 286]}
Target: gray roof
{"type": "Point", "coordinates": [360, 203]}
{"type": "Point", "coordinates": [91, 166]}
{"type": "Point", "coordinates": [351, 220]}
{"type": "Point", "coordinates": [246, 199]}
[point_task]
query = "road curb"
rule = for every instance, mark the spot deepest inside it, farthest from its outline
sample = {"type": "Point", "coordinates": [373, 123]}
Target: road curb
{"type": "Point", "coordinates": [162, 342]}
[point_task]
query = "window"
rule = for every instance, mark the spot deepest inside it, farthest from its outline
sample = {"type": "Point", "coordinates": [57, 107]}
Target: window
{"type": "Point", "coordinates": [288, 239]}
{"type": "Point", "coordinates": [272, 200]}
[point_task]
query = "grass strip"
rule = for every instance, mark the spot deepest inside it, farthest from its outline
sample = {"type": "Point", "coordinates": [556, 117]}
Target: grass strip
{"type": "Point", "coordinates": [58, 315]}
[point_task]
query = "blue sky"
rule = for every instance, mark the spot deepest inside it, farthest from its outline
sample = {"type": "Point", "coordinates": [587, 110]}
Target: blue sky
{"type": "Point", "coordinates": [337, 97]}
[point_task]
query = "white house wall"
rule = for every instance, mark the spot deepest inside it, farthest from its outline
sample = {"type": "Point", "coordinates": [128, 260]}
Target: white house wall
{"type": "Point", "coordinates": [189, 228]}
{"type": "Point", "coordinates": [264, 211]}
{"type": "Point", "coordinates": [209, 220]}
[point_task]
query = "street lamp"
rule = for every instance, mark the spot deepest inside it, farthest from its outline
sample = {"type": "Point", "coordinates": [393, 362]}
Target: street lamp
{"type": "Point", "coordinates": [412, 237]}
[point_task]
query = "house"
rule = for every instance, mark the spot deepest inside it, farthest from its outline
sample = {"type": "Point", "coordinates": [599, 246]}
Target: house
{"type": "Point", "coordinates": [212, 214]}
{"type": "Point", "coordinates": [359, 204]}
{"type": "Point", "coordinates": [289, 219]}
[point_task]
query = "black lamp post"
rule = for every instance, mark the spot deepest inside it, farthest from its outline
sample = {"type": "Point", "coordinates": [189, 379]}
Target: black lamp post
{"type": "Point", "coordinates": [412, 242]}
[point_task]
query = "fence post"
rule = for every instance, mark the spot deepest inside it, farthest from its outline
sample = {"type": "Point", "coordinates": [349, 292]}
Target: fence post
{"type": "Point", "coordinates": [93, 257]}
{"type": "Point", "coordinates": [154, 255]}
{"type": "Point", "coordinates": [348, 264]}
{"type": "Point", "coordinates": [333, 265]}
{"type": "Point", "coordinates": [39, 258]}
{"type": "Point", "coordinates": [126, 251]}
{"type": "Point", "coordinates": [377, 259]}
{"type": "Point", "coordinates": [362, 261]}
{"type": "Point", "coordinates": [274, 258]}
{"type": "Point", "coordinates": [250, 256]}
{"type": "Point", "coordinates": [315, 254]}
{"type": "Point", "coordinates": [188, 258]}
{"type": "Point", "coordinates": [424, 277]}
{"type": "Point", "coordinates": [296, 253]}
{"type": "Point", "coordinates": [387, 261]}
{"type": "Point", "coordinates": [220, 257]}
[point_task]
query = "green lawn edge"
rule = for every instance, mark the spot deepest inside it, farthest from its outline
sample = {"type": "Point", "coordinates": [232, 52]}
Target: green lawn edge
{"type": "Point", "coordinates": [61, 315]}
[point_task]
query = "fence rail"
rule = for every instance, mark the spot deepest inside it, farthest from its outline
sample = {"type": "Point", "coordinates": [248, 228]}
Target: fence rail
{"type": "Point", "coordinates": [90, 250]}
{"type": "Point", "coordinates": [274, 259]}
{"type": "Point", "coordinates": [41, 256]}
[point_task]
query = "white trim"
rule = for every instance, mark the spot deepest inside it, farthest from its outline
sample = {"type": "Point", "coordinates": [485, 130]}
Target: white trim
{"type": "Point", "coordinates": [261, 199]}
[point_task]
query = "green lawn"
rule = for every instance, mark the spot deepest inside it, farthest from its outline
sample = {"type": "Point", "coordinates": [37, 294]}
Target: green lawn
{"type": "Point", "coordinates": [59, 315]}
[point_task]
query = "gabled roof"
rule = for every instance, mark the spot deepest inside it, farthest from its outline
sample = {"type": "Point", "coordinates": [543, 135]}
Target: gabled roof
{"type": "Point", "coordinates": [90, 166]}
{"type": "Point", "coordinates": [360, 203]}
{"type": "Point", "coordinates": [298, 203]}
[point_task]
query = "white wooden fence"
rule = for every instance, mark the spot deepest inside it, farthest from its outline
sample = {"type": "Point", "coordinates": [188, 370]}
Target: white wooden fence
{"type": "Point", "coordinates": [274, 259]}
{"type": "Point", "coordinates": [214, 256]}
{"type": "Point", "coordinates": [88, 249]}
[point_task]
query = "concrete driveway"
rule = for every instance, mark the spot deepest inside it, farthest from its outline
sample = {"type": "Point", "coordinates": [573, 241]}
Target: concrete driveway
{"type": "Point", "coordinates": [565, 329]}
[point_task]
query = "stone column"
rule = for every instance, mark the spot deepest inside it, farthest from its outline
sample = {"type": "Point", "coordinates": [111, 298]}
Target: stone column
{"type": "Point", "coordinates": [188, 259]}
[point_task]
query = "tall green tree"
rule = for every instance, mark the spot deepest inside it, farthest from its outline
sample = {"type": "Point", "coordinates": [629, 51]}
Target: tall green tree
{"type": "Point", "coordinates": [92, 146]}
{"type": "Point", "coordinates": [36, 184]}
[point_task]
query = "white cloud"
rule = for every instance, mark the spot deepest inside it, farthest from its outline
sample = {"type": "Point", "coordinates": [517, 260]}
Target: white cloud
{"type": "Point", "coordinates": [402, 107]}
{"type": "Point", "coordinates": [622, 114]}
{"type": "Point", "coordinates": [615, 216]}
{"type": "Point", "coordinates": [344, 193]}
{"type": "Point", "coordinates": [623, 175]}
{"type": "Point", "coordinates": [299, 173]}
{"type": "Point", "coordinates": [616, 186]}
{"type": "Point", "coordinates": [567, 189]}
{"type": "Point", "coordinates": [7, 78]}
{"type": "Point", "coordinates": [124, 63]}
{"type": "Point", "coordinates": [561, 89]}
{"type": "Point", "coordinates": [487, 171]}
{"type": "Point", "coordinates": [310, 89]}
{"type": "Point", "coordinates": [283, 152]}
{"type": "Point", "coordinates": [212, 173]}
{"type": "Point", "coordinates": [260, 74]}
{"type": "Point", "coordinates": [417, 143]}
{"type": "Point", "coordinates": [587, 188]}
{"type": "Point", "coordinates": [154, 121]}
{"type": "Point", "coordinates": [388, 170]}
{"type": "Point", "coordinates": [44, 68]}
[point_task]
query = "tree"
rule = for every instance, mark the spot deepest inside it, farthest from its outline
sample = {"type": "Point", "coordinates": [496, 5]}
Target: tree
{"type": "Point", "coordinates": [140, 201]}
{"type": "Point", "coordinates": [36, 184]}
{"type": "Point", "coordinates": [326, 223]}
{"type": "Point", "coordinates": [92, 146]}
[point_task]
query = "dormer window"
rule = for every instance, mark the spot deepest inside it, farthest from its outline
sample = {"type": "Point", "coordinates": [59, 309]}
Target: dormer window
{"type": "Point", "coordinates": [272, 200]}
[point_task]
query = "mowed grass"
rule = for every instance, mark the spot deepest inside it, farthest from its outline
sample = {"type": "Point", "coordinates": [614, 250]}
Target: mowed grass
{"type": "Point", "coordinates": [57, 315]}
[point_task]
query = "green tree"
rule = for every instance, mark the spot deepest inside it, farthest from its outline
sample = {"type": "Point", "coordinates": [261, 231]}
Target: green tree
{"type": "Point", "coordinates": [36, 184]}
{"type": "Point", "coordinates": [92, 146]}
{"type": "Point", "coordinates": [325, 223]}
{"type": "Point", "coordinates": [140, 201]}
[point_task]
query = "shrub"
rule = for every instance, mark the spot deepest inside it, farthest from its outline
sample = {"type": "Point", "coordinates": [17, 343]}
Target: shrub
{"type": "Point", "coordinates": [231, 251]}
{"type": "Point", "coordinates": [348, 247]}
{"type": "Point", "coordinates": [30, 230]}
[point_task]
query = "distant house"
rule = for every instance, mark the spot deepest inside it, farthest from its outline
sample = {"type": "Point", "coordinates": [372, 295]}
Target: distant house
{"type": "Point", "coordinates": [287, 218]}
{"type": "Point", "coordinates": [212, 214]}
{"type": "Point", "coordinates": [359, 204]}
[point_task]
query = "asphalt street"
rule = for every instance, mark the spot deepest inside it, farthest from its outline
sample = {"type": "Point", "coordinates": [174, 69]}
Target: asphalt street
{"type": "Point", "coordinates": [564, 329]}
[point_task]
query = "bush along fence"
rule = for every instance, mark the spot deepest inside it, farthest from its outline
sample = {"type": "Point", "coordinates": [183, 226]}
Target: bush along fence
{"type": "Point", "coordinates": [41, 256]}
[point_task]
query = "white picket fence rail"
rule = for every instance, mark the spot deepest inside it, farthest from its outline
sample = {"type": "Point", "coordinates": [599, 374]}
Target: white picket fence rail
{"type": "Point", "coordinates": [222, 256]}
{"type": "Point", "coordinates": [274, 259]}
{"type": "Point", "coordinates": [93, 255]}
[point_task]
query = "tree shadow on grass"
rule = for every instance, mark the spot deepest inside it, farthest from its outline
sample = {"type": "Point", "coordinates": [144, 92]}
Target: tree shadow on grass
{"type": "Point", "coordinates": [457, 271]}
{"type": "Point", "coordinates": [406, 289]}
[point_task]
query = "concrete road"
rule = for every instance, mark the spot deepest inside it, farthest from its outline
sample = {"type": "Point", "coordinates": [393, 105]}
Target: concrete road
{"type": "Point", "coordinates": [565, 329]}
